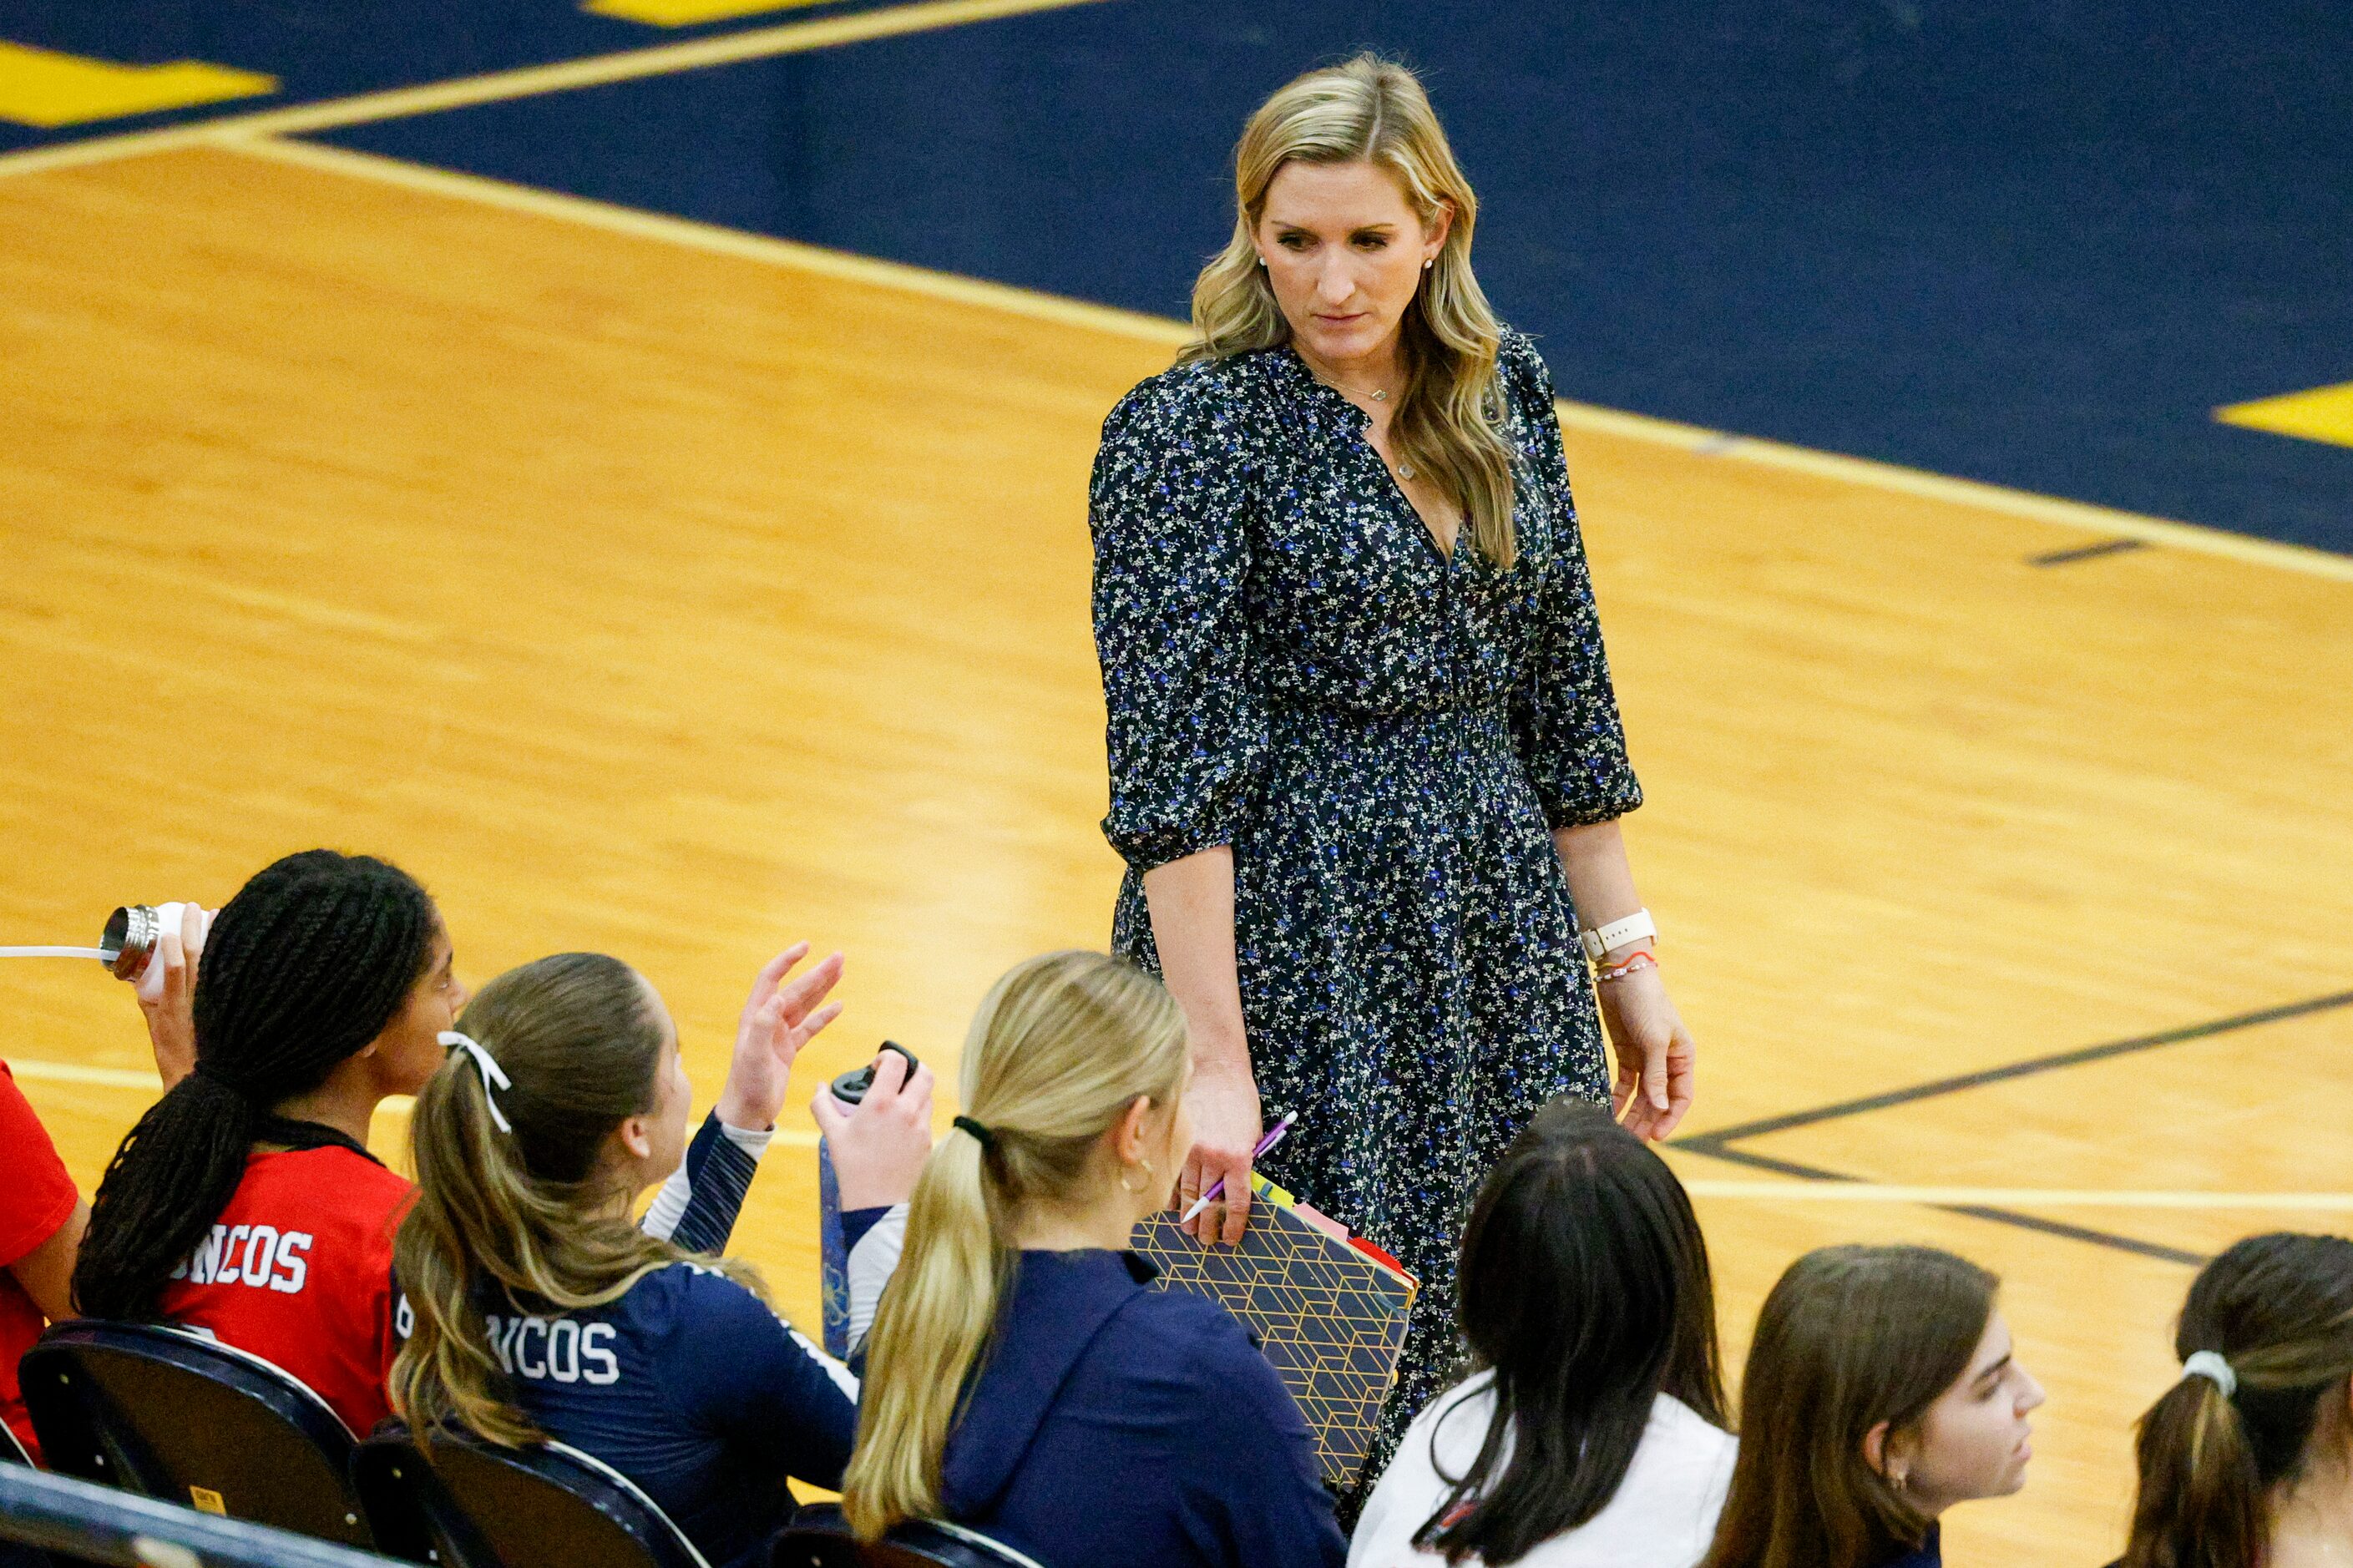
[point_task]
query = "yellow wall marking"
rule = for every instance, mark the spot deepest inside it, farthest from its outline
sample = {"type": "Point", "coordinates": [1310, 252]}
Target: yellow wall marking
{"type": "Point", "coordinates": [43, 88]}
{"type": "Point", "coordinates": [564, 76]}
{"type": "Point", "coordinates": [686, 13]}
{"type": "Point", "coordinates": [2323, 413]}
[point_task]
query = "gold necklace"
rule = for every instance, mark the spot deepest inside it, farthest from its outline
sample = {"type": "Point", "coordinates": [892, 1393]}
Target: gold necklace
{"type": "Point", "coordinates": [1404, 471]}
{"type": "Point", "coordinates": [1354, 391]}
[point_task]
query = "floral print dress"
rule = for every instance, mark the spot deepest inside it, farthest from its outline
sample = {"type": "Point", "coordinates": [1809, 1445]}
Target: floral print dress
{"type": "Point", "coordinates": [1385, 735]}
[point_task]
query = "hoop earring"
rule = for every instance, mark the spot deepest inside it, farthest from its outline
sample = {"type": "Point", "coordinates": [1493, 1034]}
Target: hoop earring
{"type": "Point", "coordinates": [1147, 1179]}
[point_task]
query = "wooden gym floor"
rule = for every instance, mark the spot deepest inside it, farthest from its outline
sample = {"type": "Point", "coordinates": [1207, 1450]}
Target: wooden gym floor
{"type": "Point", "coordinates": [666, 592]}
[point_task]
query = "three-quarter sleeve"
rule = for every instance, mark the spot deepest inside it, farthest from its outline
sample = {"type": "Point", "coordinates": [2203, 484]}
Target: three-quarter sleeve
{"type": "Point", "coordinates": [1565, 717]}
{"type": "Point", "coordinates": [1168, 512]}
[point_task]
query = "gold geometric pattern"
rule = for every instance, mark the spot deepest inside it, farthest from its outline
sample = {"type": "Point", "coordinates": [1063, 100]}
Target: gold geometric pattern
{"type": "Point", "coordinates": [1330, 1319]}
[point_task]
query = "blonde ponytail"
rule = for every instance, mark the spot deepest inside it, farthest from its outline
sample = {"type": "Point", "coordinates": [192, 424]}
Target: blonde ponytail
{"type": "Point", "coordinates": [1449, 420]}
{"type": "Point", "coordinates": [521, 1210]}
{"type": "Point", "coordinates": [2277, 1311]}
{"type": "Point", "coordinates": [1059, 1049]}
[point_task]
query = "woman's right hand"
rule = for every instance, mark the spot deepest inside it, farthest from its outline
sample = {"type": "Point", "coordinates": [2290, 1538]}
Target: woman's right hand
{"type": "Point", "coordinates": [1227, 1125]}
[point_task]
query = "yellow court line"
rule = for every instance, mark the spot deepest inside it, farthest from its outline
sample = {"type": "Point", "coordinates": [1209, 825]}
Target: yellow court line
{"type": "Point", "coordinates": [2016, 1197]}
{"type": "Point", "coordinates": [1962, 492]}
{"type": "Point", "coordinates": [124, 1078]}
{"type": "Point", "coordinates": [660, 60]}
{"type": "Point", "coordinates": [715, 238]}
{"type": "Point", "coordinates": [1030, 302]}
{"type": "Point", "coordinates": [74, 1072]}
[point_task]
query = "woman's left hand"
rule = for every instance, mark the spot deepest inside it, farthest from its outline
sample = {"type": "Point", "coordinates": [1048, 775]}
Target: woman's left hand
{"type": "Point", "coordinates": [779, 1019]}
{"type": "Point", "coordinates": [1655, 1054]}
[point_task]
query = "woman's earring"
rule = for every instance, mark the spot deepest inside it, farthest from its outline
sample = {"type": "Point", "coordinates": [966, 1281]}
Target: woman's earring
{"type": "Point", "coordinates": [1262, 259]}
{"type": "Point", "coordinates": [1147, 1179]}
{"type": "Point", "coordinates": [1428, 263]}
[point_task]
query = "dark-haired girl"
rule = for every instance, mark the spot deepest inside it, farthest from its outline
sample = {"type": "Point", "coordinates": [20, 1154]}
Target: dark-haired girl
{"type": "Point", "coordinates": [2248, 1459]}
{"type": "Point", "coordinates": [245, 1203]}
{"type": "Point", "coordinates": [1594, 1433]}
{"type": "Point", "coordinates": [1880, 1390]}
{"type": "Point", "coordinates": [542, 1312]}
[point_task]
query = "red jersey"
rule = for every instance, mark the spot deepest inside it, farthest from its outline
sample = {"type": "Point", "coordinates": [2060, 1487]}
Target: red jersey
{"type": "Point", "coordinates": [36, 1196]}
{"type": "Point", "coordinates": [298, 1271]}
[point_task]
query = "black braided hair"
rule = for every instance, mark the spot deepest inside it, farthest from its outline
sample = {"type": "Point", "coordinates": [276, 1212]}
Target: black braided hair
{"type": "Point", "coordinates": [307, 964]}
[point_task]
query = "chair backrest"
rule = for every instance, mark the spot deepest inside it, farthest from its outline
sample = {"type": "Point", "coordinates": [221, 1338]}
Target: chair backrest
{"type": "Point", "coordinates": [819, 1537]}
{"type": "Point", "coordinates": [173, 1415]}
{"type": "Point", "coordinates": [465, 1503]}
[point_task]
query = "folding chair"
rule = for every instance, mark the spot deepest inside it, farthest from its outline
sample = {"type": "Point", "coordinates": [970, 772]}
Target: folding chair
{"type": "Point", "coordinates": [463, 1503]}
{"type": "Point", "coordinates": [171, 1414]}
{"type": "Point", "coordinates": [818, 1537]}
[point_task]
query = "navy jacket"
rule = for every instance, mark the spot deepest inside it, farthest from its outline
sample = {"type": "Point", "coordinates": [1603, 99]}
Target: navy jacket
{"type": "Point", "coordinates": [1929, 1554]}
{"type": "Point", "coordinates": [1112, 1425]}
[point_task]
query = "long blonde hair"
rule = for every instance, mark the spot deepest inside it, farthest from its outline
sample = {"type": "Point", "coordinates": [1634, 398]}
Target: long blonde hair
{"type": "Point", "coordinates": [1370, 110]}
{"type": "Point", "coordinates": [524, 1209]}
{"type": "Point", "coordinates": [1061, 1048]}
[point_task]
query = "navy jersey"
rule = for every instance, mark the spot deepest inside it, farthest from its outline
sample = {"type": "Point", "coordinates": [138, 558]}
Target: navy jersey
{"type": "Point", "coordinates": [696, 1392]}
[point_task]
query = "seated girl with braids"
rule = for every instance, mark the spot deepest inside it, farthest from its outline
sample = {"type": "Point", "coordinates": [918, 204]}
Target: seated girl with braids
{"type": "Point", "coordinates": [541, 1312]}
{"type": "Point", "coordinates": [1022, 1377]}
{"type": "Point", "coordinates": [2248, 1459]}
{"type": "Point", "coordinates": [245, 1205]}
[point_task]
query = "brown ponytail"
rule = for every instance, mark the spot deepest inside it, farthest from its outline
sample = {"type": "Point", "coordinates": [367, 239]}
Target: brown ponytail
{"type": "Point", "coordinates": [2278, 1310]}
{"type": "Point", "coordinates": [521, 1210]}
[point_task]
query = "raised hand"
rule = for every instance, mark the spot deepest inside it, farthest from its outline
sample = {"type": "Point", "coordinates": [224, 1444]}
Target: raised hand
{"type": "Point", "coordinates": [167, 994]}
{"type": "Point", "coordinates": [779, 1017]}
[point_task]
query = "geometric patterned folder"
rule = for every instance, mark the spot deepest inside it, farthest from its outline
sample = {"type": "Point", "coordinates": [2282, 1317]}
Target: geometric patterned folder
{"type": "Point", "coordinates": [1329, 1317]}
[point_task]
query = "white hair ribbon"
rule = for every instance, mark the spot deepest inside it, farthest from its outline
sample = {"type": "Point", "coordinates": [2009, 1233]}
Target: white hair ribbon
{"type": "Point", "coordinates": [492, 1074]}
{"type": "Point", "coordinates": [2210, 1366]}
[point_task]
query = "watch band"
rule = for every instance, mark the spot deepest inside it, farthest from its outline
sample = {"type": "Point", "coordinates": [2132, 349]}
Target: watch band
{"type": "Point", "coordinates": [1599, 940]}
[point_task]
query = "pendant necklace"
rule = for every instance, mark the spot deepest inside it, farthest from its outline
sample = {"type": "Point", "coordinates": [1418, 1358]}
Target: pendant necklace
{"type": "Point", "coordinates": [1404, 471]}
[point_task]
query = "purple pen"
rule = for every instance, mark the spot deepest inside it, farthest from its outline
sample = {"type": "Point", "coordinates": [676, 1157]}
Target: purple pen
{"type": "Point", "coordinates": [1219, 1186]}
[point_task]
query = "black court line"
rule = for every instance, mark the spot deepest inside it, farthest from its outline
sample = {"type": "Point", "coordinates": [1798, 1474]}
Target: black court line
{"type": "Point", "coordinates": [1718, 1144]}
{"type": "Point", "coordinates": [2087, 552]}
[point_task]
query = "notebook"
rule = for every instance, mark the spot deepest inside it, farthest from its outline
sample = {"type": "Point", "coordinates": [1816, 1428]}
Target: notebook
{"type": "Point", "coordinates": [1328, 1311]}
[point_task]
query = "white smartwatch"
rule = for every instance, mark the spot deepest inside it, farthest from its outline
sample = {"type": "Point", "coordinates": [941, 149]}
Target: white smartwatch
{"type": "Point", "coordinates": [1599, 940]}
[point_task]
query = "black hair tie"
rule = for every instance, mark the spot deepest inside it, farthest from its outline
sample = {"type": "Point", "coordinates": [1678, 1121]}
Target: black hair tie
{"type": "Point", "coordinates": [981, 1135]}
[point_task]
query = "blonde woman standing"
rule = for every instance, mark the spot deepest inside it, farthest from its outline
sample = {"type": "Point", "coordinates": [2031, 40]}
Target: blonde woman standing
{"type": "Point", "coordinates": [1022, 1377]}
{"type": "Point", "coordinates": [1366, 761]}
